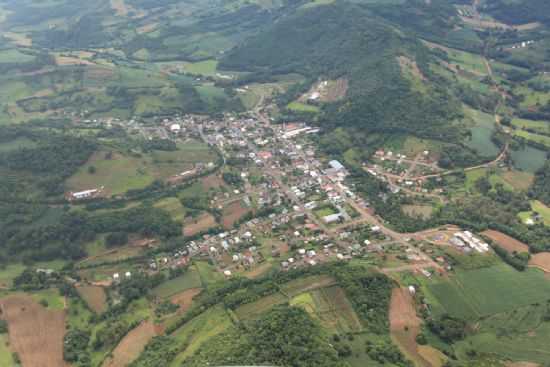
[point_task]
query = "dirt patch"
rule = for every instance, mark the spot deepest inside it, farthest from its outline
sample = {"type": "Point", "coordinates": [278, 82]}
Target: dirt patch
{"type": "Point", "coordinates": [232, 213]}
{"type": "Point", "coordinates": [432, 355]}
{"type": "Point", "coordinates": [131, 345]}
{"type": "Point", "coordinates": [258, 270]}
{"type": "Point", "coordinates": [541, 261]}
{"type": "Point", "coordinates": [120, 7]}
{"type": "Point", "coordinates": [405, 325]}
{"type": "Point", "coordinates": [198, 225]}
{"type": "Point", "coordinates": [185, 299]}
{"type": "Point", "coordinates": [94, 296]}
{"type": "Point", "coordinates": [521, 364]}
{"type": "Point", "coordinates": [506, 242]}
{"type": "Point", "coordinates": [35, 333]}
{"type": "Point", "coordinates": [326, 91]}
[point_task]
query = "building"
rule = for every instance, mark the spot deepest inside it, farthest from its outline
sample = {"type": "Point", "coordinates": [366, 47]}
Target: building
{"type": "Point", "coordinates": [84, 194]}
{"type": "Point", "coordinates": [336, 165]}
{"type": "Point", "coordinates": [332, 218]}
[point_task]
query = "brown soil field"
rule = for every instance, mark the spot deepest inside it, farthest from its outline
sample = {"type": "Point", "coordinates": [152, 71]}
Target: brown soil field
{"type": "Point", "coordinates": [407, 64]}
{"type": "Point", "coordinates": [405, 325]}
{"type": "Point", "coordinates": [202, 223]}
{"type": "Point", "coordinates": [35, 333]}
{"type": "Point", "coordinates": [337, 90]}
{"type": "Point", "coordinates": [131, 346]}
{"type": "Point", "coordinates": [258, 270]}
{"type": "Point", "coordinates": [232, 213]}
{"type": "Point", "coordinates": [506, 242]}
{"type": "Point", "coordinates": [185, 299]}
{"type": "Point", "coordinates": [541, 261]}
{"type": "Point", "coordinates": [94, 296]}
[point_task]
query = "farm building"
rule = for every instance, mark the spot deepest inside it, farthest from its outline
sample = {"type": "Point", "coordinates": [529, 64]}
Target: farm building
{"type": "Point", "coordinates": [84, 194]}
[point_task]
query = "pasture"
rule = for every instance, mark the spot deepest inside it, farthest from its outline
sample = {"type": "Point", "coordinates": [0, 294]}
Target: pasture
{"type": "Point", "coordinates": [540, 139]}
{"type": "Point", "coordinates": [173, 206]}
{"type": "Point", "coordinates": [6, 357]}
{"type": "Point", "coordinates": [189, 280]}
{"type": "Point", "coordinates": [208, 273]}
{"type": "Point", "coordinates": [200, 224]}
{"type": "Point", "coordinates": [486, 291]}
{"type": "Point", "coordinates": [31, 325]}
{"type": "Point", "coordinates": [481, 131]}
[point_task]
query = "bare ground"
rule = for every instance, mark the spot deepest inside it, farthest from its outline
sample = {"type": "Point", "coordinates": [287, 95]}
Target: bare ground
{"type": "Point", "coordinates": [508, 243]}
{"type": "Point", "coordinates": [202, 223]}
{"type": "Point", "coordinates": [35, 333]}
{"type": "Point", "coordinates": [131, 345]}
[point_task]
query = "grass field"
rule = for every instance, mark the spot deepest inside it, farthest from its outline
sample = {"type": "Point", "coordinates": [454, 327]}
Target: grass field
{"type": "Point", "coordinates": [14, 56]}
{"type": "Point", "coordinates": [206, 67]}
{"type": "Point", "coordinates": [302, 107]}
{"type": "Point", "coordinates": [468, 61]}
{"type": "Point", "coordinates": [208, 274]}
{"type": "Point", "coordinates": [540, 139]}
{"type": "Point", "coordinates": [190, 279]}
{"type": "Point", "coordinates": [538, 126]}
{"type": "Point", "coordinates": [6, 357]}
{"type": "Point", "coordinates": [9, 272]}
{"type": "Point", "coordinates": [295, 287]}
{"type": "Point", "coordinates": [199, 330]}
{"type": "Point", "coordinates": [255, 309]}
{"type": "Point", "coordinates": [173, 207]}
{"type": "Point", "coordinates": [52, 297]}
{"type": "Point", "coordinates": [542, 209]}
{"type": "Point", "coordinates": [486, 291]}
{"type": "Point", "coordinates": [528, 159]}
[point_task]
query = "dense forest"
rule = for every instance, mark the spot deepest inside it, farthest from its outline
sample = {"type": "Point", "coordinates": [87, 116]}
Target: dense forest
{"type": "Point", "coordinates": [520, 11]}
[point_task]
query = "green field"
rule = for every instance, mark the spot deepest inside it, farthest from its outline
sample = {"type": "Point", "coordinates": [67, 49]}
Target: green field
{"type": "Point", "coordinates": [537, 126]}
{"type": "Point", "coordinates": [468, 61]}
{"type": "Point", "coordinates": [197, 331]}
{"type": "Point", "coordinates": [189, 280]}
{"type": "Point", "coordinates": [302, 107]}
{"type": "Point", "coordinates": [206, 67]}
{"type": "Point", "coordinates": [52, 296]}
{"type": "Point", "coordinates": [6, 357]}
{"type": "Point", "coordinates": [528, 159]}
{"type": "Point", "coordinates": [481, 292]}
{"type": "Point", "coordinates": [484, 126]}
{"type": "Point", "coordinates": [542, 209]}
{"type": "Point", "coordinates": [540, 139]}
{"type": "Point", "coordinates": [9, 272]}
{"type": "Point", "coordinates": [208, 274]}
{"type": "Point", "coordinates": [14, 56]}
{"type": "Point", "coordinates": [173, 207]}
{"type": "Point", "coordinates": [255, 309]}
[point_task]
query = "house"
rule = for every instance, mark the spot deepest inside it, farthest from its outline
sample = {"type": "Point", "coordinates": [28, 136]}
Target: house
{"type": "Point", "coordinates": [84, 194]}
{"type": "Point", "coordinates": [332, 218]}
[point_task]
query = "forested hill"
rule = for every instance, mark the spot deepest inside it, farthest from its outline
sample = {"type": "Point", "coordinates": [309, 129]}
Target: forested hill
{"type": "Point", "coordinates": [520, 11]}
{"type": "Point", "coordinates": [349, 40]}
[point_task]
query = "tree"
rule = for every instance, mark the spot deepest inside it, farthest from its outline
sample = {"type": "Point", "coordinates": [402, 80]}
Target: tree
{"type": "Point", "coordinates": [92, 170]}
{"type": "Point", "coordinates": [116, 239]}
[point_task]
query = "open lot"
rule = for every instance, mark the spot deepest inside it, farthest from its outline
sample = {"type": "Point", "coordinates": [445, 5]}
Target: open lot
{"type": "Point", "coordinates": [35, 332]}
{"type": "Point", "coordinates": [232, 213]}
{"type": "Point", "coordinates": [200, 224]}
{"type": "Point", "coordinates": [541, 261]}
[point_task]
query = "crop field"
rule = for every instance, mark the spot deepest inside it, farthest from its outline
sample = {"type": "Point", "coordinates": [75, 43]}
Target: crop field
{"type": "Point", "coordinates": [541, 261]}
{"type": "Point", "coordinates": [131, 345]}
{"type": "Point", "coordinates": [334, 310]}
{"type": "Point", "coordinates": [206, 67]}
{"type": "Point", "coordinates": [185, 299]}
{"type": "Point", "coordinates": [468, 61]}
{"type": "Point", "coordinates": [528, 159]}
{"type": "Point", "coordinates": [486, 291]}
{"type": "Point", "coordinates": [506, 242]}
{"type": "Point", "coordinates": [35, 333]}
{"type": "Point", "coordinates": [297, 286]}
{"type": "Point", "coordinates": [94, 296]}
{"type": "Point", "coordinates": [199, 330]}
{"type": "Point", "coordinates": [518, 180]}
{"type": "Point", "coordinates": [532, 97]}
{"type": "Point", "coordinates": [189, 280]}
{"type": "Point", "coordinates": [9, 272]}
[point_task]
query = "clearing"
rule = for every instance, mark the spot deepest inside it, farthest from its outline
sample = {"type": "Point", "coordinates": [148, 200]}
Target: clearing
{"type": "Point", "coordinates": [541, 261]}
{"type": "Point", "coordinates": [232, 213]}
{"type": "Point", "coordinates": [35, 333]}
{"type": "Point", "coordinates": [185, 299]}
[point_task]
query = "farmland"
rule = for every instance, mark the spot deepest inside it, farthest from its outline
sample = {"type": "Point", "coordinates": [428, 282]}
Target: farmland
{"type": "Point", "coordinates": [32, 325]}
{"type": "Point", "coordinates": [486, 291]}
{"type": "Point", "coordinates": [95, 297]}
{"type": "Point", "coordinates": [131, 345]}
{"type": "Point", "coordinates": [506, 242]}
{"type": "Point", "coordinates": [189, 280]}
